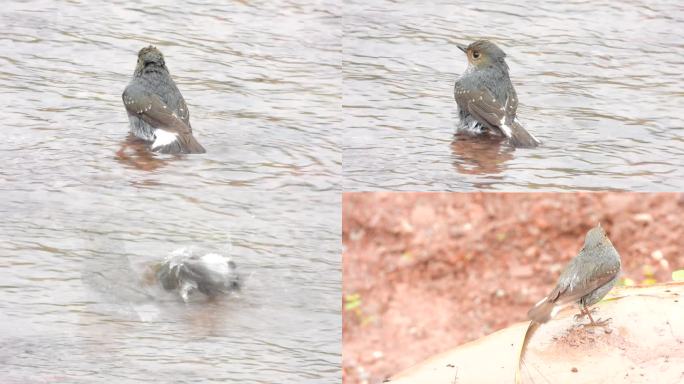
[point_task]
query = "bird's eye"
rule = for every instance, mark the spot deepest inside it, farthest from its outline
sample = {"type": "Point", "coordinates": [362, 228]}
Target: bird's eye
{"type": "Point", "coordinates": [476, 54]}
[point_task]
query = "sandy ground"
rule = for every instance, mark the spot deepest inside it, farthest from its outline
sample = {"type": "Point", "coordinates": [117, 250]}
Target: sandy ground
{"type": "Point", "coordinates": [425, 272]}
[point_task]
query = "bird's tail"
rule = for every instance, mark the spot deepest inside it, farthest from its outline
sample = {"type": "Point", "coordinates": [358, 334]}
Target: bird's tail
{"type": "Point", "coordinates": [542, 311]}
{"type": "Point", "coordinates": [190, 144]}
{"type": "Point", "coordinates": [519, 137]}
{"type": "Point", "coordinates": [184, 143]}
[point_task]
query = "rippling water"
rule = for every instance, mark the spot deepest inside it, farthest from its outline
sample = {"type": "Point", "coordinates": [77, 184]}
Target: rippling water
{"type": "Point", "coordinates": [599, 82]}
{"type": "Point", "coordinates": [76, 303]}
{"type": "Point", "coordinates": [262, 86]}
{"type": "Point", "coordinates": [84, 215]}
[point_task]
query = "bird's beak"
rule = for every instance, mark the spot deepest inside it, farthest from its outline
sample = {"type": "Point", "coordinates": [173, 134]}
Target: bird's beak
{"type": "Point", "coordinates": [462, 47]}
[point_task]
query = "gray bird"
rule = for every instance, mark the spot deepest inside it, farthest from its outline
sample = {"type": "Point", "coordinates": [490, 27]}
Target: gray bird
{"type": "Point", "coordinates": [486, 99]}
{"type": "Point", "coordinates": [156, 109]}
{"type": "Point", "coordinates": [585, 280]}
{"type": "Point", "coordinates": [210, 274]}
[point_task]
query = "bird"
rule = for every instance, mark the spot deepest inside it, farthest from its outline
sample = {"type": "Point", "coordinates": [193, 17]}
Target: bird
{"type": "Point", "coordinates": [585, 280]}
{"type": "Point", "coordinates": [210, 274]}
{"type": "Point", "coordinates": [485, 96]}
{"type": "Point", "coordinates": [156, 109]}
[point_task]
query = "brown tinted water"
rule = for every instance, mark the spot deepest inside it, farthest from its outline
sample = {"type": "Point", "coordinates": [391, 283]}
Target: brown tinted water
{"type": "Point", "coordinates": [600, 83]}
{"type": "Point", "coordinates": [84, 215]}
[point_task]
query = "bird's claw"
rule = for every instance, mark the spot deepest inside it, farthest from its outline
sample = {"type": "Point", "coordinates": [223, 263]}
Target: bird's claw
{"type": "Point", "coordinates": [600, 322]}
{"type": "Point", "coordinates": [584, 312]}
{"type": "Point", "coordinates": [597, 322]}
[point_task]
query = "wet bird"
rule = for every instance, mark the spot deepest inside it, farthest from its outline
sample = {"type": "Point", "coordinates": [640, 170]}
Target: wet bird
{"type": "Point", "coordinates": [585, 280]}
{"type": "Point", "coordinates": [156, 109]}
{"type": "Point", "coordinates": [486, 99]}
{"type": "Point", "coordinates": [210, 274]}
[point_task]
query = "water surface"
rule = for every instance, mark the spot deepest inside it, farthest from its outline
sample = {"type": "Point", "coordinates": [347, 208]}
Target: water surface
{"type": "Point", "coordinates": [600, 83]}
{"type": "Point", "coordinates": [85, 214]}
{"type": "Point", "coordinates": [77, 305]}
{"type": "Point", "coordinates": [263, 100]}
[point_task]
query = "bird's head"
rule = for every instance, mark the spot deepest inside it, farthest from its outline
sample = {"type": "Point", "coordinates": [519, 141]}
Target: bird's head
{"type": "Point", "coordinates": [149, 57]}
{"type": "Point", "coordinates": [595, 236]}
{"type": "Point", "coordinates": [483, 53]}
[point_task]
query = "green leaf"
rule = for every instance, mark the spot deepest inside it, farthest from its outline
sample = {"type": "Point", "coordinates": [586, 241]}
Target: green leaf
{"type": "Point", "coordinates": [352, 302]}
{"type": "Point", "coordinates": [678, 275]}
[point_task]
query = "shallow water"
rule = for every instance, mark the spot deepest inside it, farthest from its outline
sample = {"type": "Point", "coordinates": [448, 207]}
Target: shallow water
{"type": "Point", "coordinates": [600, 83]}
{"type": "Point", "coordinates": [84, 215]}
{"type": "Point", "coordinates": [76, 303]}
{"type": "Point", "coordinates": [263, 101]}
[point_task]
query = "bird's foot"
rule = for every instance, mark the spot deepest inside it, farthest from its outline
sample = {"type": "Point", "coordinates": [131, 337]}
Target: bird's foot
{"type": "Point", "coordinates": [596, 323]}
{"type": "Point", "coordinates": [584, 312]}
{"type": "Point", "coordinates": [599, 322]}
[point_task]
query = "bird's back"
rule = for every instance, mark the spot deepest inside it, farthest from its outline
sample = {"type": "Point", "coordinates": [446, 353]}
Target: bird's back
{"type": "Point", "coordinates": [211, 274]}
{"type": "Point", "coordinates": [600, 263]}
{"type": "Point", "coordinates": [162, 85]}
{"type": "Point", "coordinates": [495, 80]}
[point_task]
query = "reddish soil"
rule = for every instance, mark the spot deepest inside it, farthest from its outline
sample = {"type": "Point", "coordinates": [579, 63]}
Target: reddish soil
{"type": "Point", "coordinates": [425, 272]}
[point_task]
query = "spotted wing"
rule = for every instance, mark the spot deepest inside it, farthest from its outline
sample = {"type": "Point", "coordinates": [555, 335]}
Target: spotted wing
{"type": "Point", "coordinates": [151, 109]}
{"type": "Point", "coordinates": [174, 100]}
{"type": "Point", "coordinates": [579, 283]}
{"type": "Point", "coordinates": [495, 114]}
{"type": "Point", "coordinates": [482, 105]}
{"type": "Point", "coordinates": [511, 105]}
{"type": "Point", "coordinates": [568, 294]}
{"type": "Point", "coordinates": [183, 112]}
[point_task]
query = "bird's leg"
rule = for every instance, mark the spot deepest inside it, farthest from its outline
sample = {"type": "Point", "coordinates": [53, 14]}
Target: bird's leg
{"type": "Point", "coordinates": [583, 312]}
{"type": "Point", "coordinates": [590, 318]}
{"type": "Point", "coordinates": [597, 323]}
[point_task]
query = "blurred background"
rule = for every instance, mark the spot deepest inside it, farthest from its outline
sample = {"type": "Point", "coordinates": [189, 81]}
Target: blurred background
{"type": "Point", "coordinates": [425, 272]}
